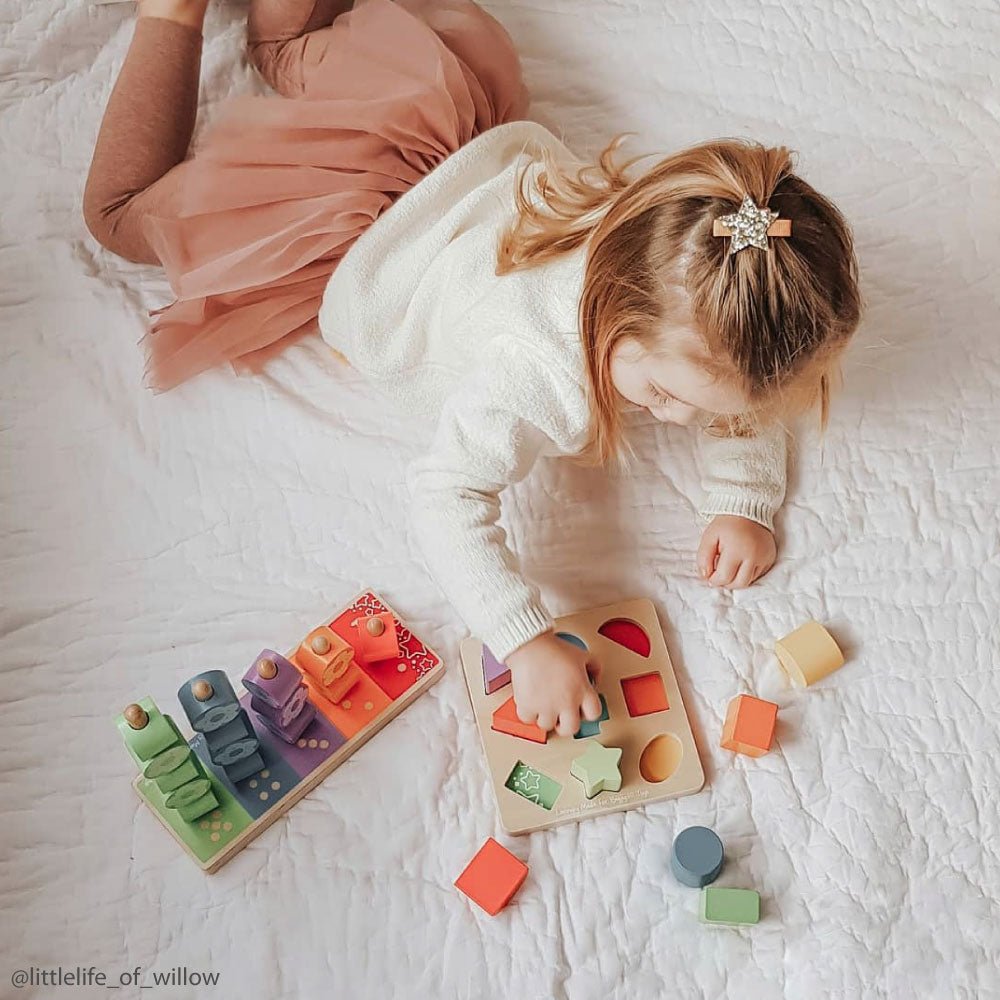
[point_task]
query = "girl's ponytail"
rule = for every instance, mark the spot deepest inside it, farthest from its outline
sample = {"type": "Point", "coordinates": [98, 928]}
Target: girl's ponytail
{"type": "Point", "coordinates": [772, 320]}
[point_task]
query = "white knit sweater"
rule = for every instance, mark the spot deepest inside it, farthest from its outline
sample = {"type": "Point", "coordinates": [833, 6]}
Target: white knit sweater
{"type": "Point", "coordinates": [417, 307]}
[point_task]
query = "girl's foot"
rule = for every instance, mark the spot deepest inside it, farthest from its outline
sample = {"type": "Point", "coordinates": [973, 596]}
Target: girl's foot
{"type": "Point", "coordinates": [189, 12]}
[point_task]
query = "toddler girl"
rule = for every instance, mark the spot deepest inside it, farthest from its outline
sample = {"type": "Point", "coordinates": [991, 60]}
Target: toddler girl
{"type": "Point", "coordinates": [474, 269]}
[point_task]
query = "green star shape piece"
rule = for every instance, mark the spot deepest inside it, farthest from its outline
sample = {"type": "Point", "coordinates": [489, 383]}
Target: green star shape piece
{"type": "Point", "coordinates": [598, 769]}
{"type": "Point", "coordinates": [749, 226]}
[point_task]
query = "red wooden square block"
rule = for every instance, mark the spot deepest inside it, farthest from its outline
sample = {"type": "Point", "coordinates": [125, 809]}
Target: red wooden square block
{"type": "Point", "coordinates": [492, 877]}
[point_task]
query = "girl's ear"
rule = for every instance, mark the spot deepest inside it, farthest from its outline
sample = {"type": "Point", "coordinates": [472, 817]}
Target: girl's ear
{"type": "Point", "coordinates": [628, 348]}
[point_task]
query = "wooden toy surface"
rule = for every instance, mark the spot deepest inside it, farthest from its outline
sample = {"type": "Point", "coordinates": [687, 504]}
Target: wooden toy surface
{"type": "Point", "coordinates": [248, 807]}
{"type": "Point", "coordinates": [659, 757]}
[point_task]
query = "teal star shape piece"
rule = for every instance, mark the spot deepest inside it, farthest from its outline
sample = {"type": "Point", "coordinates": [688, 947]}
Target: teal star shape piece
{"type": "Point", "coordinates": [598, 769]}
{"type": "Point", "coordinates": [748, 226]}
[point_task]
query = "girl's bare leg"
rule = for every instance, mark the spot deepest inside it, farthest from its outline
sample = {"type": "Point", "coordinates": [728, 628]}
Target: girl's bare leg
{"type": "Point", "coordinates": [144, 137]}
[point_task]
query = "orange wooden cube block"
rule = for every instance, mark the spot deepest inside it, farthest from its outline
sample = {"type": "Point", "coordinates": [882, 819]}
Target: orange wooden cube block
{"type": "Point", "coordinates": [492, 877]}
{"type": "Point", "coordinates": [749, 726]}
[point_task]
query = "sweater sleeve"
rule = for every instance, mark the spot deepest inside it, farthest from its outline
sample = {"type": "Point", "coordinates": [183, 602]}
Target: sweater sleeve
{"type": "Point", "coordinates": [511, 410]}
{"type": "Point", "coordinates": [744, 475]}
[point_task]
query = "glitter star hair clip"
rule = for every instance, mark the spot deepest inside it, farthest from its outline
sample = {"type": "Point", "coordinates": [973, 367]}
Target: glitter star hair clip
{"type": "Point", "coordinates": [751, 226]}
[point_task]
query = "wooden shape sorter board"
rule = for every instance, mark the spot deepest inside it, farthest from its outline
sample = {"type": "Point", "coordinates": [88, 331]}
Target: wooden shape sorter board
{"type": "Point", "coordinates": [249, 806]}
{"type": "Point", "coordinates": [659, 758]}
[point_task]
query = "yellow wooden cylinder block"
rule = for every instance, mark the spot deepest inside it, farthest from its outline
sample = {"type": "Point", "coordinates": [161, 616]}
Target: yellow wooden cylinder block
{"type": "Point", "coordinates": [809, 654]}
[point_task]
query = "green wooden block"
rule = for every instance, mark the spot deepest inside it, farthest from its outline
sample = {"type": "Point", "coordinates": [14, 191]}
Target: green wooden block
{"type": "Point", "coordinates": [169, 760]}
{"type": "Point", "coordinates": [729, 906]}
{"type": "Point", "coordinates": [158, 734]}
{"type": "Point", "coordinates": [534, 786]}
{"type": "Point", "coordinates": [198, 808]}
{"type": "Point", "coordinates": [599, 768]}
{"type": "Point", "coordinates": [205, 836]}
{"type": "Point", "coordinates": [188, 770]}
{"type": "Point", "coordinates": [188, 794]}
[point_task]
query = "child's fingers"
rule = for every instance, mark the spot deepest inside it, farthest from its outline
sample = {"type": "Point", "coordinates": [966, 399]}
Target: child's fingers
{"type": "Point", "coordinates": [569, 722]}
{"type": "Point", "coordinates": [746, 575]}
{"type": "Point", "coordinates": [762, 570]}
{"type": "Point", "coordinates": [526, 713]}
{"type": "Point", "coordinates": [707, 552]}
{"type": "Point", "coordinates": [725, 571]}
{"type": "Point", "coordinates": [594, 668]}
{"type": "Point", "coordinates": [547, 722]}
{"type": "Point", "coordinates": [591, 705]}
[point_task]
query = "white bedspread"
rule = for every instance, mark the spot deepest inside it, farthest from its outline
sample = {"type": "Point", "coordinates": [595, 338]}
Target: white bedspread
{"type": "Point", "coordinates": [146, 538]}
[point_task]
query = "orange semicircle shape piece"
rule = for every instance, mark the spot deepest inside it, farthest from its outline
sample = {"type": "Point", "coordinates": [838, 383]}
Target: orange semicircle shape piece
{"type": "Point", "coordinates": [626, 633]}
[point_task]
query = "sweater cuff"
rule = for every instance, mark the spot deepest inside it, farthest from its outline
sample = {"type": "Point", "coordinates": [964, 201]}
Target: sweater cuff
{"type": "Point", "coordinates": [738, 505]}
{"type": "Point", "coordinates": [529, 623]}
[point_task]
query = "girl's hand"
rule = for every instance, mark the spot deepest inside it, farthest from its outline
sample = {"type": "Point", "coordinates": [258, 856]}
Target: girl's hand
{"type": "Point", "coordinates": [735, 551]}
{"type": "Point", "coordinates": [552, 686]}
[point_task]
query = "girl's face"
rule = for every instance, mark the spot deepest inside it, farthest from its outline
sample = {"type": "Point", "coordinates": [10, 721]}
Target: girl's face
{"type": "Point", "coordinates": [668, 380]}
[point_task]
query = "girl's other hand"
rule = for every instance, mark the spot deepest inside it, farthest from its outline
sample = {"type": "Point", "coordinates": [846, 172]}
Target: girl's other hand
{"type": "Point", "coordinates": [735, 551]}
{"type": "Point", "coordinates": [552, 684]}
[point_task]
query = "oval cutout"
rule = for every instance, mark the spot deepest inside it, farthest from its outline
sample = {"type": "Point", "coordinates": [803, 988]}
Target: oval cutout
{"type": "Point", "coordinates": [573, 640]}
{"type": "Point", "coordinates": [660, 758]}
{"type": "Point", "coordinates": [626, 633]}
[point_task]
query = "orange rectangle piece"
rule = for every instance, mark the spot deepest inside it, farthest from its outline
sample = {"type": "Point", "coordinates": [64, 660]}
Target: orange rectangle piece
{"type": "Point", "coordinates": [492, 877]}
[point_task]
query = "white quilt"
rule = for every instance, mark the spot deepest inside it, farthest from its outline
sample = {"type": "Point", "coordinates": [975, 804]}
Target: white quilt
{"type": "Point", "coordinates": [146, 538]}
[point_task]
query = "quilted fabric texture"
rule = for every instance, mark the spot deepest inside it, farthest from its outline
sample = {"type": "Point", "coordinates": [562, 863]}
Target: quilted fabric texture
{"type": "Point", "coordinates": [147, 538]}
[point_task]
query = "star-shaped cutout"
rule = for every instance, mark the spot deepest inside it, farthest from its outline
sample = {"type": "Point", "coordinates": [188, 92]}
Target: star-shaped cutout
{"type": "Point", "coordinates": [598, 769]}
{"type": "Point", "coordinates": [529, 781]}
{"type": "Point", "coordinates": [748, 226]}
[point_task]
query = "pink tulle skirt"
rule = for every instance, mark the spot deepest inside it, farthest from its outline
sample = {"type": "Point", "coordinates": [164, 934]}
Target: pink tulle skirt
{"type": "Point", "coordinates": [281, 188]}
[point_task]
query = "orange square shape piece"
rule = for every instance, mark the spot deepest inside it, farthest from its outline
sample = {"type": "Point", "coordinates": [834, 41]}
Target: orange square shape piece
{"type": "Point", "coordinates": [492, 877]}
{"type": "Point", "coordinates": [749, 726]}
{"type": "Point", "coordinates": [644, 694]}
{"type": "Point", "coordinates": [505, 720]}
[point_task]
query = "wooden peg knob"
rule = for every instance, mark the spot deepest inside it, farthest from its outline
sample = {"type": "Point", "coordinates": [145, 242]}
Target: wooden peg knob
{"type": "Point", "coordinates": [375, 626]}
{"type": "Point", "coordinates": [136, 717]}
{"type": "Point", "coordinates": [202, 690]}
{"type": "Point", "coordinates": [267, 669]}
{"type": "Point", "coordinates": [320, 644]}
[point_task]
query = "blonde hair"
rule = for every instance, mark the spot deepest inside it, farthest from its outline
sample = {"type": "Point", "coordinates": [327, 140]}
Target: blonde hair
{"type": "Point", "coordinates": [772, 322]}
